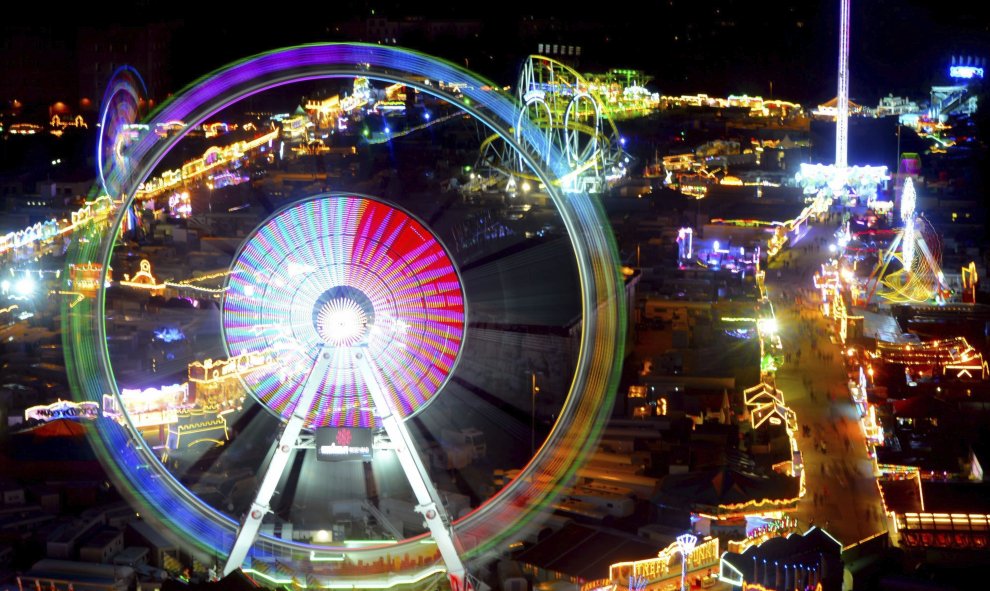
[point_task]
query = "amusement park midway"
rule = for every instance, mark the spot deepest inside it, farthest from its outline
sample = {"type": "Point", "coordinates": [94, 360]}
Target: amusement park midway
{"type": "Point", "coordinates": [842, 494]}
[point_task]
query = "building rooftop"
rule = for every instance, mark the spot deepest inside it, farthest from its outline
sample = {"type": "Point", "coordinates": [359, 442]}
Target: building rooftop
{"type": "Point", "coordinates": [71, 531]}
{"type": "Point", "coordinates": [151, 535]}
{"type": "Point", "coordinates": [585, 553]}
{"type": "Point", "coordinates": [130, 555]}
{"type": "Point", "coordinates": [814, 551]}
{"type": "Point", "coordinates": [901, 496]}
{"type": "Point", "coordinates": [90, 572]}
{"type": "Point", "coordinates": [956, 497]}
{"type": "Point", "coordinates": [101, 538]}
{"type": "Point", "coordinates": [726, 488]}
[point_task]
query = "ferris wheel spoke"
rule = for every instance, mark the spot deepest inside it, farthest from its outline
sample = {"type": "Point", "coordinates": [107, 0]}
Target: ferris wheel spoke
{"type": "Point", "coordinates": [429, 504]}
{"type": "Point", "coordinates": [260, 507]}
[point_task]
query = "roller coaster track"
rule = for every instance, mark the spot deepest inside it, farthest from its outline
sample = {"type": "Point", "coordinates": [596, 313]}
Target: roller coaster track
{"type": "Point", "coordinates": [572, 118]}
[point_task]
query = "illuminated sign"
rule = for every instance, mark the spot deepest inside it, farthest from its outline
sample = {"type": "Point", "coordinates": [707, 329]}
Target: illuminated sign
{"type": "Point", "coordinates": [685, 243]}
{"type": "Point", "coordinates": [666, 564]}
{"type": "Point", "coordinates": [63, 410]}
{"type": "Point", "coordinates": [213, 370]}
{"type": "Point", "coordinates": [337, 445]}
{"type": "Point", "coordinates": [966, 72]}
{"type": "Point", "coordinates": [194, 428]}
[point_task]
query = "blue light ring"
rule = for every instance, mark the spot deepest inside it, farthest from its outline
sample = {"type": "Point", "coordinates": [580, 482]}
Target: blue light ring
{"type": "Point", "coordinates": [198, 103]}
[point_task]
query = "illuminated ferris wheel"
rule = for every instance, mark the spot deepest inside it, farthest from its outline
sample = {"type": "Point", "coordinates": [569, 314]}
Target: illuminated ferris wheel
{"type": "Point", "coordinates": [120, 111]}
{"type": "Point", "coordinates": [319, 386]}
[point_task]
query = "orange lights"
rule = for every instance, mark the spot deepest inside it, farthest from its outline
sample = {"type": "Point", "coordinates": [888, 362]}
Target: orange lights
{"type": "Point", "coordinates": [665, 565]}
{"type": "Point", "coordinates": [85, 278]}
{"type": "Point", "coordinates": [143, 279]}
{"type": "Point", "coordinates": [218, 370]}
{"type": "Point", "coordinates": [214, 157]}
{"type": "Point", "coordinates": [758, 587]}
{"type": "Point", "coordinates": [954, 353]}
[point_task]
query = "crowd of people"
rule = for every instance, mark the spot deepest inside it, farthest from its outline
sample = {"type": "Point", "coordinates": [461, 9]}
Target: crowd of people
{"type": "Point", "coordinates": [838, 472]}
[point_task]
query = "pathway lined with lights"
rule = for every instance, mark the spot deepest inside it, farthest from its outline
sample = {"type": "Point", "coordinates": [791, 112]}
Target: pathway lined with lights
{"type": "Point", "coordinates": [842, 495]}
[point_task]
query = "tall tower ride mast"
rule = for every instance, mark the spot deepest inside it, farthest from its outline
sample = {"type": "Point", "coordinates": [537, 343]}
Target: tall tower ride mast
{"type": "Point", "coordinates": [842, 117]}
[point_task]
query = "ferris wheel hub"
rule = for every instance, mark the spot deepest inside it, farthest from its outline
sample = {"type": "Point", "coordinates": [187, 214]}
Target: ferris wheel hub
{"type": "Point", "coordinates": [342, 323]}
{"type": "Point", "coordinates": [342, 271]}
{"type": "Point", "coordinates": [343, 317]}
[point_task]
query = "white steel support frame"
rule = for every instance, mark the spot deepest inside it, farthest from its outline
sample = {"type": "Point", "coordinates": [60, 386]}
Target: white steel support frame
{"type": "Point", "coordinates": [842, 100]}
{"type": "Point", "coordinates": [430, 505]}
{"type": "Point", "coordinates": [287, 441]}
{"type": "Point", "coordinates": [538, 99]}
{"type": "Point", "coordinates": [590, 161]}
{"type": "Point", "coordinates": [575, 155]}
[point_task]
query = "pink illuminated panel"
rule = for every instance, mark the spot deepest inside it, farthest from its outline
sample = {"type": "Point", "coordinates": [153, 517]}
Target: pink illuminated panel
{"type": "Point", "coordinates": [350, 266]}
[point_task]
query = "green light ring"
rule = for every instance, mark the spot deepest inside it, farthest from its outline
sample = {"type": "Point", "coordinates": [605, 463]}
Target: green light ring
{"type": "Point", "coordinates": [590, 399]}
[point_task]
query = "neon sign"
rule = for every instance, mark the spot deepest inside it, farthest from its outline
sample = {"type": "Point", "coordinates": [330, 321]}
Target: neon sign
{"type": "Point", "coordinates": [193, 428]}
{"type": "Point", "coordinates": [173, 392]}
{"type": "Point", "coordinates": [965, 72]}
{"type": "Point", "coordinates": [335, 445]}
{"type": "Point", "coordinates": [63, 409]}
{"type": "Point", "coordinates": [214, 370]}
{"type": "Point", "coordinates": [772, 528]}
{"type": "Point", "coordinates": [661, 567]}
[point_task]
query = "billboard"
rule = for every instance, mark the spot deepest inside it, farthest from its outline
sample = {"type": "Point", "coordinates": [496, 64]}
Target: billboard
{"type": "Point", "coordinates": [63, 410]}
{"type": "Point", "coordinates": [965, 72]}
{"type": "Point", "coordinates": [335, 444]}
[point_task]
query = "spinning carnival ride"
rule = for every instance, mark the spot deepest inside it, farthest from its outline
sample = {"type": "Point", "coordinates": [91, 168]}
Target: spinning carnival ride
{"type": "Point", "coordinates": [119, 113]}
{"type": "Point", "coordinates": [918, 254]}
{"type": "Point", "coordinates": [343, 315]}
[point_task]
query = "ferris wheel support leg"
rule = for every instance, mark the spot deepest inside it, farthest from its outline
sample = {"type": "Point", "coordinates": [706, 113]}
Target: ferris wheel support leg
{"type": "Point", "coordinates": [248, 531]}
{"type": "Point", "coordinates": [430, 505]}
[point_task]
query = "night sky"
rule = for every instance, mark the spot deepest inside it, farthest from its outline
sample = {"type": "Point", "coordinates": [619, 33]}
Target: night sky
{"type": "Point", "coordinates": [719, 47]}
